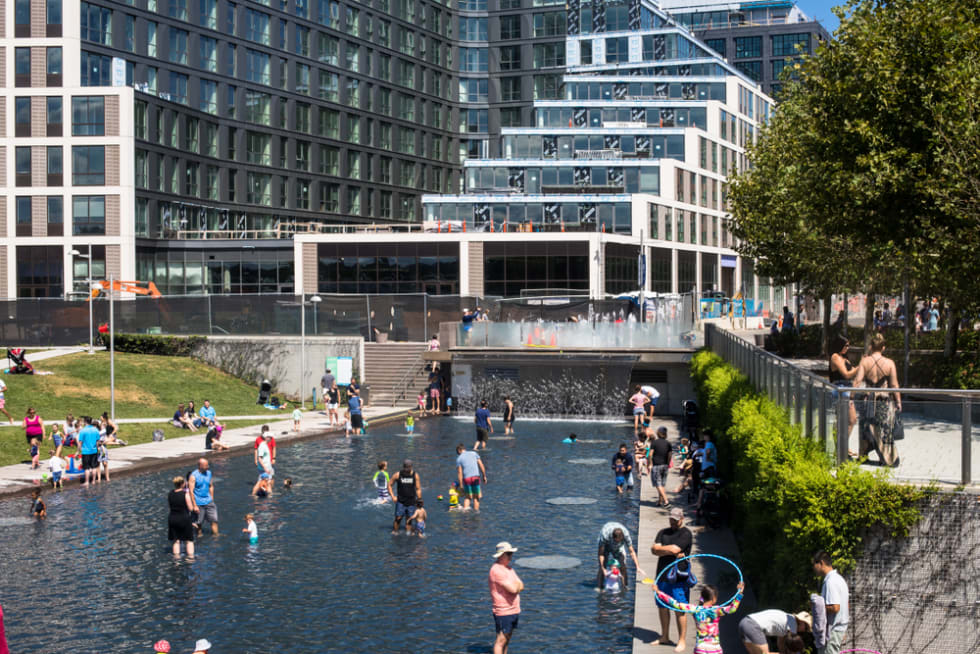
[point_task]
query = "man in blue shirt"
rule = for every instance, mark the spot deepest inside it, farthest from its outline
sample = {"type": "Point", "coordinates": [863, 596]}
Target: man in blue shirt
{"type": "Point", "coordinates": [354, 408]}
{"type": "Point", "coordinates": [88, 440]}
{"type": "Point", "coordinates": [206, 413]}
{"type": "Point", "coordinates": [469, 469]}
{"type": "Point", "coordinates": [203, 492]}
{"type": "Point", "coordinates": [483, 425]}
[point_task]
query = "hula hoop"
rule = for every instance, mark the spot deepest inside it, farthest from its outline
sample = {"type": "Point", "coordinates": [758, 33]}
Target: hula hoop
{"type": "Point", "coordinates": [864, 651]}
{"type": "Point", "coordinates": [660, 602]}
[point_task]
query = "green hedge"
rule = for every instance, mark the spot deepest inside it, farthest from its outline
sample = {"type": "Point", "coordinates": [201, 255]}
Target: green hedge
{"type": "Point", "coordinates": [171, 346]}
{"type": "Point", "coordinates": [788, 500]}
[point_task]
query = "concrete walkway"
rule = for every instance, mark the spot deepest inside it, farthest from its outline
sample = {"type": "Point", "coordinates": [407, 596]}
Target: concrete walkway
{"type": "Point", "coordinates": [646, 617]}
{"type": "Point", "coordinates": [33, 357]}
{"type": "Point", "coordinates": [19, 478]}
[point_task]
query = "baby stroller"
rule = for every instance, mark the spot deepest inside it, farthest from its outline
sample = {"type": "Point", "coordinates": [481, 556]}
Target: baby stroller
{"type": "Point", "coordinates": [265, 390]}
{"type": "Point", "coordinates": [691, 419]}
{"type": "Point", "coordinates": [712, 511]}
{"type": "Point", "coordinates": [20, 365]}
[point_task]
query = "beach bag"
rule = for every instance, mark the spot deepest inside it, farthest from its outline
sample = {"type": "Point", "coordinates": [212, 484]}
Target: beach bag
{"type": "Point", "coordinates": [898, 430]}
{"type": "Point", "coordinates": [678, 576]}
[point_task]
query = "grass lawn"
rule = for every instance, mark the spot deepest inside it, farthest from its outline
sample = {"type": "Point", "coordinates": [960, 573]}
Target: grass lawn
{"type": "Point", "coordinates": [146, 387]}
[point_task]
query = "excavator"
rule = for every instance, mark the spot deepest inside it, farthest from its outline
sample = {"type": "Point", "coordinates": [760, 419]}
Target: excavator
{"type": "Point", "coordinates": [125, 287]}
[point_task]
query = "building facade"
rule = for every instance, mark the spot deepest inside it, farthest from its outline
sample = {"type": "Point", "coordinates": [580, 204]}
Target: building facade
{"type": "Point", "coordinates": [621, 185]}
{"type": "Point", "coordinates": [760, 38]}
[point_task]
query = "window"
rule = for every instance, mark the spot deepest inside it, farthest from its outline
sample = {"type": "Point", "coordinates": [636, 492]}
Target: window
{"type": "Point", "coordinates": [329, 86]}
{"type": "Point", "coordinates": [209, 14]}
{"type": "Point", "coordinates": [209, 54]}
{"type": "Point", "coordinates": [748, 46]}
{"type": "Point", "coordinates": [752, 69]}
{"type": "Point", "coordinates": [258, 148]}
{"type": "Point", "coordinates": [585, 53]}
{"type": "Point", "coordinates": [257, 26]}
{"type": "Point", "coordinates": [302, 117]}
{"type": "Point", "coordinates": [209, 96]}
{"type": "Point", "coordinates": [406, 41]}
{"type": "Point", "coordinates": [302, 194]}
{"type": "Point", "coordinates": [351, 21]}
{"type": "Point", "coordinates": [473, 29]}
{"type": "Point", "coordinates": [718, 45]}
{"type": "Point", "coordinates": [473, 120]}
{"type": "Point", "coordinates": [352, 57]}
{"type": "Point", "coordinates": [56, 215]}
{"type": "Point", "coordinates": [22, 66]}
{"type": "Point", "coordinates": [258, 189]}
{"type": "Point", "coordinates": [96, 69]}
{"type": "Point", "coordinates": [617, 50]}
{"type": "Point", "coordinates": [88, 165]}
{"type": "Point", "coordinates": [329, 160]}
{"type": "Point", "coordinates": [24, 211]}
{"type": "Point", "coordinates": [257, 67]}
{"type": "Point", "coordinates": [353, 164]}
{"type": "Point", "coordinates": [353, 128]}
{"type": "Point", "coordinates": [302, 155]}
{"type": "Point", "coordinates": [329, 197]}
{"type": "Point", "coordinates": [178, 46]}
{"type": "Point", "coordinates": [88, 116]}
{"type": "Point", "coordinates": [384, 208]}
{"type": "Point", "coordinates": [177, 9]}
{"type": "Point", "coordinates": [22, 117]}
{"type": "Point", "coordinates": [384, 67]}
{"type": "Point", "coordinates": [406, 140]}
{"type": "Point", "coordinates": [55, 158]}
{"type": "Point", "coordinates": [550, 54]}
{"type": "Point", "coordinates": [784, 45]}
{"type": "Point", "coordinates": [510, 117]}
{"type": "Point", "coordinates": [406, 74]}
{"type": "Point", "coordinates": [384, 136]}
{"type": "Point", "coordinates": [54, 116]}
{"type": "Point", "coordinates": [354, 200]}
{"type": "Point", "coordinates": [96, 24]}
{"type": "Point", "coordinates": [53, 56]}
{"type": "Point", "coordinates": [510, 89]}
{"type": "Point", "coordinates": [329, 123]}
{"type": "Point", "coordinates": [353, 94]}
{"type": "Point", "coordinates": [550, 24]}
{"type": "Point", "coordinates": [473, 60]}
{"type": "Point", "coordinates": [22, 18]}
{"type": "Point", "coordinates": [178, 87]}
{"type": "Point", "coordinates": [328, 50]}
{"type": "Point", "coordinates": [212, 182]}
{"type": "Point", "coordinates": [328, 13]}
{"type": "Point", "coordinates": [302, 41]}
{"type": "Point", "coordinates": [88, 214]}
{"type": "Point", "coordinates": [53, 9]}
{"type": "Point", "coordinates": [473, 90]}
{"type": "Point", "coordinates": [192, 175]}
{"type": "Point", "coordinates": [151, 39]}
{"type": "Point", "coordinates": [779, 64]}
{"type": "Point", "coordinates": [23, 165]}
{"type": "Point", "coordinates": [510, 27]}
{"type": "Point", "coordinates": [303, 79]}
{"type": "Point", "coordinates": [211, 139]}
{"type": "Point", "coordinates": [548, 87]}
{"type": "Point", "coordinates": [510, 57]}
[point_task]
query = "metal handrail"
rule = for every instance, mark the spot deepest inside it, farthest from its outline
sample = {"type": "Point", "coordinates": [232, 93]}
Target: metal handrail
{"type": "Point", "coordinates": [412, 369]}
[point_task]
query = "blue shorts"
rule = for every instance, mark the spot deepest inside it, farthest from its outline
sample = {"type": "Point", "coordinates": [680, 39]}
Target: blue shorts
{"type": "Point", "coordinates": [409, 428]}
{"type": "Point", "coordinates": [679, 591]}
{"type": "Point", "coordinates": [653, 400]}
{"type": "Point", "coordinates": [505, 624]}
{"type": "Point", "coordinates": [638, 411]}
{"type": "Point", "coordinates": [620, 480]}
{"type": "Point", "coordinates": [56, 476]}
{"type": "Point", "coordinates": [402, 511]}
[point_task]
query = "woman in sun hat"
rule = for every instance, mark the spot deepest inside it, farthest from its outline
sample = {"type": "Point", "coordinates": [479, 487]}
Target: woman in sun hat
{"type": "Point", "coordinates": [202, 646]}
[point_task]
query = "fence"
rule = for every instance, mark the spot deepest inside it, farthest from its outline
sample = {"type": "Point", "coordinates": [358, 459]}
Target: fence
{"type": "Point", "coordinates": [941, 426]}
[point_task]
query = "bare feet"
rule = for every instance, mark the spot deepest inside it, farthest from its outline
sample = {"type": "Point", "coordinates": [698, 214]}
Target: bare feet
{"type": "Point", "coordinates": [680, 646]}
{"type": "Point", "coordinates": [665, 640]}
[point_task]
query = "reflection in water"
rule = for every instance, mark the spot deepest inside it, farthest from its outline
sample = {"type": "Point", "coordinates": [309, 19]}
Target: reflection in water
{"type": "Point", "coordinates": [326, 574]}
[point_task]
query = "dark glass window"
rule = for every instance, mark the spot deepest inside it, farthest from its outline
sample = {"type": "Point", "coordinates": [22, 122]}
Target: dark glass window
{"type": "Point", "coordinates": [510, 27]}
{"type": "Point", "coordinates": [88, 214]}
{"type": "Point", "coordinates": [40, 271]}
{"type": "Point", "coordinates": [718, 45]}
{"type": "Point", "coordinates": [88, 116]}
{"type": "Point", "coordinates": [22, 117]}
{"type": "Point", "coordinates": [784, 45]}
{"type": "Point", "coordinates": [748, 46]}
{"type": "Point", "coordinates": [23, 206]}
{"type": "Point", "coordinates": [22, 18]}
{"type": "Point", "coordinates": [88, 165]}
{"type": "Point", "coordinates": [56, 215]}
{"type": "Point", "coordinates": [96, 69]}
{"type": "Point", "coordinates": [23, 165]}
{"type": "Point", "coordinates": [55, 165]}
{"type": "Point", "coordinates": [22, 66]}
{"type": "Point", "coordinates": [753, 69]}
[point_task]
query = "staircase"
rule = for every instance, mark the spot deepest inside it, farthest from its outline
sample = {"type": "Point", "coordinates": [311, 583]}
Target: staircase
{"type": "Point", "coordinates": [390, 369]}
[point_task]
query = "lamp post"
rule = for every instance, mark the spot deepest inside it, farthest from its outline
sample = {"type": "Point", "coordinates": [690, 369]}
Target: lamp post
{"type": "Point", "coordinates": [112, 351]}
{"type": "Point", "coordinates": [88, 289]}
{"type": "Point", "coordinates": [316, 299]}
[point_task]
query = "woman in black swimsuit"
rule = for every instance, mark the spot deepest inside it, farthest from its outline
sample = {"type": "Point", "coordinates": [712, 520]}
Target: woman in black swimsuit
{"type": "Point", "coordinates": [880, 409]}
{"type": "Point", "coordinates": [508, 415]}
{"type": "Point", "coordinates": [180, 526]}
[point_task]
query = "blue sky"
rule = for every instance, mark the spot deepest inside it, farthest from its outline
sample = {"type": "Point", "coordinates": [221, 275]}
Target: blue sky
{"type": "Point", "coordinates": [820, 10]}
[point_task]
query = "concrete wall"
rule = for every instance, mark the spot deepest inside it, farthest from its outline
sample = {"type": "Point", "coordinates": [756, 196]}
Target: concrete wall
{"type": "Point", "coordinates": [254, 358]}
{"type": "Point", "coordinates": [921, 594]}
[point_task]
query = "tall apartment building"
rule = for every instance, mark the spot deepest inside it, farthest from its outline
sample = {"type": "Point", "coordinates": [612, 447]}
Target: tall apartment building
{"type": "Point", "coordinates": [619, 185]}
{"type": "Point", "coordinates": [760, 37]}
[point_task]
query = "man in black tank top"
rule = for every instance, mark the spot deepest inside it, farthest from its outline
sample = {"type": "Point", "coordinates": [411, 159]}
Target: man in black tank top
{"type": "Point", "coordinates": [406, 488]}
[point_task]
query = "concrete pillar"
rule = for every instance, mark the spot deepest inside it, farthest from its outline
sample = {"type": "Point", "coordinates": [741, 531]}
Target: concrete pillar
{"type": "Point", "coordinates": [464, 268]}
{"type": "Point", "coordinates": [597, 263]}
{"type": "Point", "coordinates": [699, 284]}
{"type": "Point", "coordinates": [673, 271]}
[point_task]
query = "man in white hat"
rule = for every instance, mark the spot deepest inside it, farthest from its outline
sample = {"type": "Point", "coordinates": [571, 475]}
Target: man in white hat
{"type": "Point", "coordinates": [505, 594]}
{"type": "Point", "coordinates": [202, 646]}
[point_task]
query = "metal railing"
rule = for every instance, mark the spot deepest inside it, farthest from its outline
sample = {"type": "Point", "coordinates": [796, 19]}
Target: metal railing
{"type": "Point", "coordinates": [403, 385]}
{"type": "Point", "coordinates": [938, 423]}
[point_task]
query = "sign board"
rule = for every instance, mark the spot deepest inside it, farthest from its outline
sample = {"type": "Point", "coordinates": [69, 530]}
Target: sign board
{"type": "Point", "coordinates": [118, 71]}
{"type": "Point", "coordinates": [342, 368]}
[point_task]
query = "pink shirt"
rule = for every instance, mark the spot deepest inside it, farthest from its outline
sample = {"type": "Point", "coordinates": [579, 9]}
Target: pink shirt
{"type": "Point", "coordinates": [504, 602]}
{"type": "Point", "coordinates": [639, 400]}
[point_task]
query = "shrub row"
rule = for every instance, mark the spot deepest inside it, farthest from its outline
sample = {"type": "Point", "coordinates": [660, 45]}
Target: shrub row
{"type": "Point", "coordinates": [788, 500]}
{"type": "Point", "coordinates": [173, 346]}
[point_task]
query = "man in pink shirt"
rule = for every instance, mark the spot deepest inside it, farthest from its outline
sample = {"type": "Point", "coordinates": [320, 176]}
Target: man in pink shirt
{"type": "Point", "coordinates": [505, 593]}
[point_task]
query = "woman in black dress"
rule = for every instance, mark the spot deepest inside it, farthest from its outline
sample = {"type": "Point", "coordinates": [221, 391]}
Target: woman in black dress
{"type": "Point", "coordinates": [181, 528]}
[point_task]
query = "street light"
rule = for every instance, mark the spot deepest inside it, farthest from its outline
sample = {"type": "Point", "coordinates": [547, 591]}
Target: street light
{"type": "Point", "coordinates": [302, 356]}
{"type": "Point", "coordinates": [76, 253]}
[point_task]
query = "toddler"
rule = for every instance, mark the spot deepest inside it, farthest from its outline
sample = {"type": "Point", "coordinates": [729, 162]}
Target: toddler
{"type": "Point", "coordinates": [57, 438]}
{"type": "Point", "coordinates": [251, 529]}
{"type": "Point", "coordinates": [35, 453]}
{"type": "Point", "coordinates": [419, 519]}
{"type": "Point", "coordinates": [453, 496]}
{"type": "Point", "coordinates": [103, 460]}
{"type": "Point", "coordinates": [706, 616]}
{"type": "Point", "coordinates": [410, 423]}
{"type": "Point", "coordinates": [422, 405]}
{"type": "Point", "coordinates": [380, 480]}
{"type": "Point", "coordinates": [38, 509]}
{"type": "Point", "coordinates": [348, 428]}
{"type": "Point", "coordinates": [297, 417]}
{"type": "Point", "coordinates": [614, 580]}
{"type": "Point", "coordinates": [57, 467]}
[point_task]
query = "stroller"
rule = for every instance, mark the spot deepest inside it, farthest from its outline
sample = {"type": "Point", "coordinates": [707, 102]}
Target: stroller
{"type": "Point", "coordinates": [265, 390]}
{"type": "Point", "coordinates": [691, 419]}
{"type": "Point", "coordinates": [20, 365]}
{"type": "Point", "coordinates": [712, 511]}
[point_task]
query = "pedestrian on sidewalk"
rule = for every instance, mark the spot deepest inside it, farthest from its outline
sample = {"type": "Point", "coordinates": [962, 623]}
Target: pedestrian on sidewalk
{"type": "Point", "coordinates": [661, 452]}
{"type": "Point", "coordinates": [614, 543]}
{"type": "Point", "coordinates": [88, 439]}
{"type": "Point", "coordinates": [836, 599]}
{"type": "Point", "coordinates": [327, 382]}
{"type": "Point", "coordinates": [3, 402]}
{"type": "Point", "coordinates": [881, 410]}
{"type": "Point", "coordinates": [505, 595]}
{"type": "Point", "coordinates": [33, 426]}
{"type": "Point", "coordinates": [670, 544]}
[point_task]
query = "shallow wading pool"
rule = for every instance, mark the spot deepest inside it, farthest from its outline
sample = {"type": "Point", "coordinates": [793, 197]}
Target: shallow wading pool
{"type": "Point", "coordinates": [326, 574]}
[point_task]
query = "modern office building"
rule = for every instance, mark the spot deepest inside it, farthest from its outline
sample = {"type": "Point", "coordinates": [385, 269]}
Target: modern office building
{"type": "Point", "coordinates": [759, 37]}
{"type": "Point", "coordinates": [633, 160]}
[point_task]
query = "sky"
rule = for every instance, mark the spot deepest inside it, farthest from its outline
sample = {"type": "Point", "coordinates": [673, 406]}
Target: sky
{"type": "Point", "coordinates": [820, 10]}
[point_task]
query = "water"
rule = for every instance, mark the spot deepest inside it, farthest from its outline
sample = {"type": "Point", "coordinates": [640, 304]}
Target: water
{"type": "Point", "coordinates": [326, 574]}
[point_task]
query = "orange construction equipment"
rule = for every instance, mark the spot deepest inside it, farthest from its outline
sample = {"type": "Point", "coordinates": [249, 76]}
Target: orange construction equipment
{"type": "Point", "coordinates": [126, 287]}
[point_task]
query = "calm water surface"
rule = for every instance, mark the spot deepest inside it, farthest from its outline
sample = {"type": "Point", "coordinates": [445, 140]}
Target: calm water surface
{"type": "Point", "coordinates": [326, 574]}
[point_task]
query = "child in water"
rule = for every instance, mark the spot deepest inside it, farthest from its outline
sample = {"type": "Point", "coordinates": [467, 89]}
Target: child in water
{"type": "Point", "coordinates": [348, 428]}
{"type": "Point", "coordinates": [706, 615]}
{"type": "Point", "coordinates": [614, 580]}
{"type": "Point", "coordinates": [251, 529]}
{"type": "Point", "coordinates": [454, 497]}
{"type": "Point", "coordinates": [263, 487]}
{"type": "Point", "coordinates": [571, 439]}
{"type": "Point", "coordinates": [38, 509]}
{"type": "Point", "coordinates": [410, 423]}
{"type": "Point", "coordinates": [421, 405]}
{"type": "Point", "coordinates": [419, 519]}
{"type": "Point", "coordinates": [380, 480]}
{"type": "Point", "coordinates": [287, 483]}
{"type": "Point", "coordinates": [297, 418]}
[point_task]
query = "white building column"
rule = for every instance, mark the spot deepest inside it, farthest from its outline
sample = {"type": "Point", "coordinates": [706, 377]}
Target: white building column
{"type": "Point", "coordinates": [699, 283]}
{"type": "Point", "coordinates": [597, 264]}
{"type": "Point", "coordinates": [673, 271]}
{"type": "Point", "coordinates": [464, 267]}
